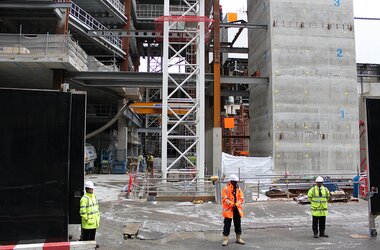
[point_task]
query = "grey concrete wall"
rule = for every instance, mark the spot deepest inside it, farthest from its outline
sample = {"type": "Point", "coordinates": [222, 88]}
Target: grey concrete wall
{"type": "Point", "coordinates": [313, 85]}
{"type": "Point", "coordinates": [261, 108]}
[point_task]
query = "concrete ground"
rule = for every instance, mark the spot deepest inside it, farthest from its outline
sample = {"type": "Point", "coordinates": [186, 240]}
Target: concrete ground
{"type": "Point", "coordinates": [182, 225]}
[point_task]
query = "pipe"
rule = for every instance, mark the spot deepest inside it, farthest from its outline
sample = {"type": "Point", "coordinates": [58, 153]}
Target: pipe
{"type": "Point", "coordinates": [108, 124]}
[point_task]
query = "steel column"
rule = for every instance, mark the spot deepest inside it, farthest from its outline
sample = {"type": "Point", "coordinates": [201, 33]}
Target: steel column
{"type": "Point", "coordinates": [165, 86]}
{"type": "Point", "coordinates": [216, 64]}
{"type": "Point", "coordinates": [201, 94]}
{"type": "Point", "coordinates": [127, 28]}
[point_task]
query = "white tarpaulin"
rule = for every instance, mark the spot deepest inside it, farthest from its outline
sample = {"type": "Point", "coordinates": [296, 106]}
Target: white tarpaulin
{"type": "Point", "coordinates": [250, 167]}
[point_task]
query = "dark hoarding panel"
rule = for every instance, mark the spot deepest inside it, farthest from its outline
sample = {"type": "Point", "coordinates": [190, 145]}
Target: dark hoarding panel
{"type": "Point", "coordinates": [373, 137]}
{"type": "Point", "coordinates": [34, 152]}
{"type": "Point", "coordinates": [76, 175]}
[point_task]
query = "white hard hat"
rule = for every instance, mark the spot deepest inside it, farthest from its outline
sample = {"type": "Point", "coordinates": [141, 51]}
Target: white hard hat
{"type": "Point", "coordinates": [89, 184]}
{"type": "Point", "coordinates": [319, 179]}
{"type": "Point", "coordinates": [234, 177]}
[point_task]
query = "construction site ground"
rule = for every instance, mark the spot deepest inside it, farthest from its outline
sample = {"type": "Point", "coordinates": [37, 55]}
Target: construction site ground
{"type": "Point", "coordinates": [183, 225]}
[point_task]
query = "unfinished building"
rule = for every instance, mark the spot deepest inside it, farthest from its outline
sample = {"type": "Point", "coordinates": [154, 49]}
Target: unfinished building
{"type": "Point", "coordinates": [300, 72]}
{"type": "Point", "coordinates": [307, 117]}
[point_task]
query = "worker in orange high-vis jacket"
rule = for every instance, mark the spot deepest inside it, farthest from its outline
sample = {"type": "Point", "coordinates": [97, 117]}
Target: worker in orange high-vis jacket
{"type": "Point", "coordinates": [232, 200]}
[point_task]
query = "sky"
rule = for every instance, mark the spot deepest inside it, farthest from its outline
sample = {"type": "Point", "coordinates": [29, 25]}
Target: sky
{"type": "Point", "coordinates": [367, 33]}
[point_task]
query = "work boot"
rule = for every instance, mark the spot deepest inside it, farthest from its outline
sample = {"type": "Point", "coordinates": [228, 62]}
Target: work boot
{"type": "Point", "coordinates": [322, 234]}
{"type": "Point", "coordinates": [225, 241]}
{"type": "Point", "coordinates": [239, 240]}
{"type": "Point", "coordinates": [316, 235]}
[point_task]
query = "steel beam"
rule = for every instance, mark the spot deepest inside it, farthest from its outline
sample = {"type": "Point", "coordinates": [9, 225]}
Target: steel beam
{"type": "Point", "coordinates": [149, 130]}
{"type": "Point", "coordinates": [231, 50]}
{"type": "Point", "coordinates": [34, 5]}
{"type": "Point", "coordinates": [143, 79]}
{"type": "Point", "coordinates": [133, 118]}
{"type": "Point", "coordinates": [132, 33]}
{"type": "Point", "coordinates": [244, 26]}
{"type": "Point", "coordinates": [244, 80]}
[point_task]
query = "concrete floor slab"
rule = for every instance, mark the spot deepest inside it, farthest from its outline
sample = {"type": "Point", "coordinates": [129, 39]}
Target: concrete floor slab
{"type": "Point", "coordinates": [267, 224]}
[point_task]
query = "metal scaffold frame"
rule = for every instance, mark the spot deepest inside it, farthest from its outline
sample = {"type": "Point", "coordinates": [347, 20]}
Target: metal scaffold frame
{"type": "Point", "coordinates": [192, 96]}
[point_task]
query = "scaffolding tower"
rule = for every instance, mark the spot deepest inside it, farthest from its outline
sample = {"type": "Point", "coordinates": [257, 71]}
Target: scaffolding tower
{"type": "Point", "coordinates": [188, 23]}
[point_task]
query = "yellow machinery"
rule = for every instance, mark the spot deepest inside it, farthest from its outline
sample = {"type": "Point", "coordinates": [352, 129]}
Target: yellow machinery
{"type": "Point", "coordinates": [155, 108]}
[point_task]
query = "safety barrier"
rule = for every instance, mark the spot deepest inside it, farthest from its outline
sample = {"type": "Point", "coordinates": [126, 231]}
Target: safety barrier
{"type": "Point", "coordinates": [82, 245]}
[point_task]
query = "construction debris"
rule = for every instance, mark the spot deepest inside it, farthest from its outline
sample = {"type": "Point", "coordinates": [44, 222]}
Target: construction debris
{"type": "Point", "coordinates": [197, 202]}
{"type": "Point", "coordinates": [278, 193]}
{"type": "Point", "coordinates": [360, 236]}
{"type": "Point", "coordinates": [302, 199]}
{"type": "Point", "coordinates": [131, 230]}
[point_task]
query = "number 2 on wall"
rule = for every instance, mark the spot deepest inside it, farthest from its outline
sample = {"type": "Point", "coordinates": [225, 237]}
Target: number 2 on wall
{"type": "Point", "coordinates": [339, 53]}
{"type": "Point", "coordinates": [337, 3]}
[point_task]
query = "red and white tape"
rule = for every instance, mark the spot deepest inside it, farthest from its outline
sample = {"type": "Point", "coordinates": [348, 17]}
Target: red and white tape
{"type": "Point", "coordinates": [77, 245]}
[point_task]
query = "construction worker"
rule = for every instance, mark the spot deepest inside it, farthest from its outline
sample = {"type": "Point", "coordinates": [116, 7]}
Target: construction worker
{"type": "Point", "coordinates": [149, 162]}
{"type": "Point", "coordinates": [232, 200]}
{"type": "Point", "coordinates": [193, 159]}
{"type": "Point", "coordinates": [318, 196]}
{"type": "Point", "coordinates": [141, 163]}
{"type": "Point", "coordinates": [89, 211]}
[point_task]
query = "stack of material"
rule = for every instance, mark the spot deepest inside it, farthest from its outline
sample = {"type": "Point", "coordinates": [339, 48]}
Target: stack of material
{"type": "Point", "coordinates": [339, 195]}
{"type": "Point", "coordinates": [277, 193]}
{"type": "Point", "coordinates": [302, 199]}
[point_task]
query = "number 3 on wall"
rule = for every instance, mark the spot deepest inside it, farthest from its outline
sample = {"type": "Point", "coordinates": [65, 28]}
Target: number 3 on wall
{"type": "Point", "coordinates": [337, 3]}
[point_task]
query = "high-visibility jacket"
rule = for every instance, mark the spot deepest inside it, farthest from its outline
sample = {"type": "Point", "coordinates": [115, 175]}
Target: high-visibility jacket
{"type": "Point", "coordinates": [150, 158]}
{"type": "Point", "coordinates": [89, 211]}
{"type": "Point", "coordinates": [318, 201]}
{"type": "Point", "coordinates": [228, 201]}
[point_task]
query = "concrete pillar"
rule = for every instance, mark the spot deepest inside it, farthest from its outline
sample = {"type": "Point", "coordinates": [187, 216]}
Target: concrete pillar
{"type": "Point", "coordinates": [217, 150]}
{"type": "Point", "coordinates": [58, 78]}
{"type": "Point", "coordinates": [121, 136]}
{"type": "Point", "coordinates": [62, 27]}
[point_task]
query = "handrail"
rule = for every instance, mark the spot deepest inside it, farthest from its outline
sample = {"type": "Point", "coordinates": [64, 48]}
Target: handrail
{"type": "Point", "coordinates": [92, 23]}
{"type": "Point", "coordinates": [118, 5]}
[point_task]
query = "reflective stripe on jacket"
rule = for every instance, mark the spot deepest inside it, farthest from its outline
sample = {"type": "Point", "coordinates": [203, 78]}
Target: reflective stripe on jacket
{"type": "Point", "coordinates": [228, 201]}
{"type": "Point", "coordinates": [318, 202]}
{"type": "Point", "coordinates": [89, 211]}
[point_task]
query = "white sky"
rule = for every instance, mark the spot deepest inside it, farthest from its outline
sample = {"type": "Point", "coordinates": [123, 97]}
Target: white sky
{"type": "Point", "coordinates": [367, 33]}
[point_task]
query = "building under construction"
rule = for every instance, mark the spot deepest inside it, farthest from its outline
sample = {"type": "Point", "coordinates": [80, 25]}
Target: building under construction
{"type": "Point", "coordinates": [184, 85]}
{"type": "Point", "coordinates": [163, 70]}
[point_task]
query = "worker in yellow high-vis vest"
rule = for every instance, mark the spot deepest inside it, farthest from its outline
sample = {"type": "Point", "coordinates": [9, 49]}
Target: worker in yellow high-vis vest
{"type": "Point", "coordinates": [89, 211]}
{"type": "Point", "coordinates": [318, 196]}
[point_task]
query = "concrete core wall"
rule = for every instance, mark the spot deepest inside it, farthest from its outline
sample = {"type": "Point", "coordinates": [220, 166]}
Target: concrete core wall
{"type": "Point", "coordinates": [309, 111]}
{"type": "Point", "coordinates": [261, 109]}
